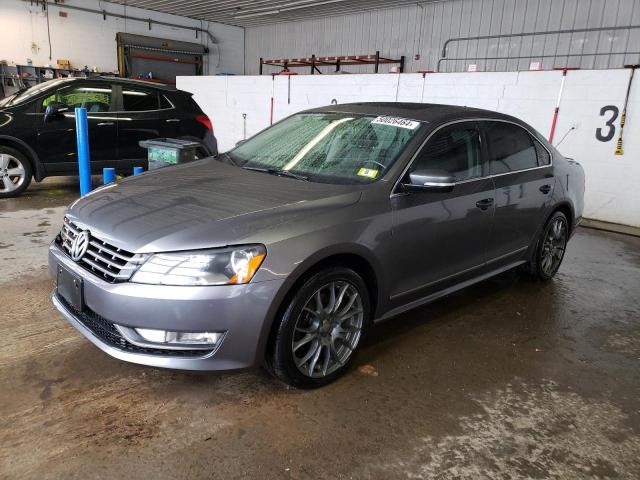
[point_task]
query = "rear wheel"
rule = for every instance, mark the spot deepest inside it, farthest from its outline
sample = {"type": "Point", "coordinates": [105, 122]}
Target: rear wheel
{"type": "Point", "coordinates": [551, 247]}
{"type": "Point", "coordinates": [321, 329]}
{"type": "Point", "coordinates": [15, 172]}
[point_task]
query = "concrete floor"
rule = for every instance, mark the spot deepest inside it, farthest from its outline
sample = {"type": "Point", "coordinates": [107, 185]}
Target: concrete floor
{"type": "Point", "coordinates": [507, 379]}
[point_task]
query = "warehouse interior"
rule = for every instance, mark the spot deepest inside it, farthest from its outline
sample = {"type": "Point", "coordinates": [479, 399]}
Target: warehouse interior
{"type": "Point", "coordinates": [506, 378]}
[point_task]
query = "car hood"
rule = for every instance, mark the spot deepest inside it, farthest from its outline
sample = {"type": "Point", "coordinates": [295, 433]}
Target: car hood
{"type": "Point", "coordinates": [202, 204]}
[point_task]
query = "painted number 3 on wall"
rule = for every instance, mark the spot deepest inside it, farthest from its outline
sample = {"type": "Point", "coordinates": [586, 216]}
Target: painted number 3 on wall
{"type": "Point", "coordinates": [606, 133]}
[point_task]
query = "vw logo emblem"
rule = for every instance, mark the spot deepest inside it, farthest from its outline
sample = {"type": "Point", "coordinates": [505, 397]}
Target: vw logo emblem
{"type": "Point", "coordinates": [80, 245]}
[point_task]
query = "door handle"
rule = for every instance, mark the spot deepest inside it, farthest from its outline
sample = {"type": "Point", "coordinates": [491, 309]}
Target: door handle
{"type": "Point", "coordinates": [171, 120]}
{"type": "Point", "coordinates": [484, 204]}
{"type": "Point", "coordinates": [545, 189]}
{"type": "Point", "coordinates": [105, 124]}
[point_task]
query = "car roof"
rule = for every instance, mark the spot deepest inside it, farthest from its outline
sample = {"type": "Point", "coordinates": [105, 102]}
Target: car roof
{"type": "Point", "coordinates": [424, 112]}
{"type": "Point", "coordinates": [125, 81]}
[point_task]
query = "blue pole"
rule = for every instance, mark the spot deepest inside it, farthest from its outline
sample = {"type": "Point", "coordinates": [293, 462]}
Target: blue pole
{"type": "Point", "coordinates": [137, 170]}
{"type": "Point", "coordinates": [82, 138]}
{"type": "Point", "coordinates": [108, 175]}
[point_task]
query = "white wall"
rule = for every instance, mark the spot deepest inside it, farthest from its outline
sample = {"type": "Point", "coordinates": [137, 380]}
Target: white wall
{"type": "Point", "coordinates": [86, 39]}
{"type": "Point", "coordinates": [612, 192]}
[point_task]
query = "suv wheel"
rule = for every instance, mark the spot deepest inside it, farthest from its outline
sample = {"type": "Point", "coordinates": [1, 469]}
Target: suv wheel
{"type": "Point", "coordinates": [15, 172]}
{"type": "Point", "coordinates": [321, 329]}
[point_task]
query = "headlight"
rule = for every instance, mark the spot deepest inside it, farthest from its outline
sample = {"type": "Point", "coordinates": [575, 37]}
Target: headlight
{"type": "Point", "coordinates": [219, 266]}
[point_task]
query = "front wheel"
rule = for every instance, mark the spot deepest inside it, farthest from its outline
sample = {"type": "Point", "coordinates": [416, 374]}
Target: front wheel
{"type": "Point", "coordinates": [551, 247]}
{"type": "Point", "coordinates": [15, 172]}
{"type": "Point", "coordinates": [321, 329]}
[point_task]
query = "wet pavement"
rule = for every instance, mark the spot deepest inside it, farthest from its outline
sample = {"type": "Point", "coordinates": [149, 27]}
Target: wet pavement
{"type": "Point", "coordinates": [50, 193]}
{"type": "Point", "coordinates": [506, 379]}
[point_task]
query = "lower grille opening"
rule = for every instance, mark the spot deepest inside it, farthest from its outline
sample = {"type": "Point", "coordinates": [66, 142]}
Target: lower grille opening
{"type": "Point", "coordinates": [107, 332]}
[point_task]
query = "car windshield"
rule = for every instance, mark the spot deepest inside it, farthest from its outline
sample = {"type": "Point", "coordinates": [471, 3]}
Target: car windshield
{"type": "Point", "coordinates": [328, 147]}
{"type": "Point", "coordinates": [31, 92]}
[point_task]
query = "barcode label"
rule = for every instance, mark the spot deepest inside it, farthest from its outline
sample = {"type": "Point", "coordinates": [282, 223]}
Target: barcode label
{"type": "Point", "coordinates": [397, 122]}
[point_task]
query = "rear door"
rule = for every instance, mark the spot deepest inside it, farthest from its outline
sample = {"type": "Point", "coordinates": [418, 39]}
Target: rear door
{"type": "Point", "coordinates": [143, 115]}
{"type": "Point", "coordinates": [57, 145]}
{"type": "Point", "coordinates": [439, 236]}
{"type": "Point", "coordinates": [523, 177]}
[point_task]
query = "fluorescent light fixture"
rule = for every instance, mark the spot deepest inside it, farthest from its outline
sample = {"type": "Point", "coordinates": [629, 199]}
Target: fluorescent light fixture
{"type": "Point", "coordinates": [257, 14]}
{"type": "Point", "coordinates": [285, 7]}
{"type": "Point", "coordinates": [315, 4]}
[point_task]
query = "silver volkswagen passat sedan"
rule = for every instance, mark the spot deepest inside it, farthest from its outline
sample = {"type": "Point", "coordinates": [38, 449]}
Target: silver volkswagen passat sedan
{"type": "Point", "coordinates": [283, 251]}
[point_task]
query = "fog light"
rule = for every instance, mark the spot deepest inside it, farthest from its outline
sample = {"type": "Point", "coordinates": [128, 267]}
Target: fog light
{"type": "Point", "coordinates": [152, 335]}
{"type": "Point", "coordinates": [170, 340]}
{"type": "Point", "coordinates": [179, 338]}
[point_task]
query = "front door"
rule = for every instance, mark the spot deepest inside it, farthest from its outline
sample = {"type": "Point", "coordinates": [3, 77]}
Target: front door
{"type": "Point", "coordinates": [523, 177]}
{"type": "Point", "coordinates": [440, 236]}
{"type": "Point", "coordinates": [57, 144]}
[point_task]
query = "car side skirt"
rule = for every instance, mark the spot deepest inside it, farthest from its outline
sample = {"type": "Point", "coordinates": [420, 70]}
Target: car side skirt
{"type": "Point", "coordinates": [442, 293]}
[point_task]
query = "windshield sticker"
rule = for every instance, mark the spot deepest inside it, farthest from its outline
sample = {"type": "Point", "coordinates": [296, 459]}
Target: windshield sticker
{"type": "Point", "coordinates": [396, 122]}
{"type": "Point", "coordinates": [368, 172]}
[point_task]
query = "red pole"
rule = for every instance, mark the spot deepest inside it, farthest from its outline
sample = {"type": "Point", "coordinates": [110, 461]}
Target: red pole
{"type": "Point", "coordinates": [271, 113]}
{"type": "Point", "coordinates": [557, 110]}
{"type": "Point", "coordinates": [553, 125]}
{"type": "Point", "coordinates": [273, 92]}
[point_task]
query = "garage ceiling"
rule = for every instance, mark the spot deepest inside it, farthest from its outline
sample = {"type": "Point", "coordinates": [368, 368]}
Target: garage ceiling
{"type": "Point", "coordinates": [246, 13]}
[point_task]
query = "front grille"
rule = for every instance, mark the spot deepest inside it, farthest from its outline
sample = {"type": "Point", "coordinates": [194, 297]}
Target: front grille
{"type": "Point", "coordinates": [104, 260]}
{"type": "Point", "coordinates": [109, 334]}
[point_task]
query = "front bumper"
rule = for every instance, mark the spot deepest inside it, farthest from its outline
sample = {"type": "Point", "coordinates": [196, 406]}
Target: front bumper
{"type": "Point", "coordinates": [238, 310]}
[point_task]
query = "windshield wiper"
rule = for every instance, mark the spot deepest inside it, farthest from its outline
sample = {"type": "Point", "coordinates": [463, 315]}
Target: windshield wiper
{"type": "Point", "coordinates": [227, 156]}
{"type": "Point", "coordinates": [279, 173]}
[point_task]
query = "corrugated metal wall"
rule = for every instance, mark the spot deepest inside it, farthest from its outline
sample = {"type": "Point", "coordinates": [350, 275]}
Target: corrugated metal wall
{"type": "Point", "coordinates": [423, 28]}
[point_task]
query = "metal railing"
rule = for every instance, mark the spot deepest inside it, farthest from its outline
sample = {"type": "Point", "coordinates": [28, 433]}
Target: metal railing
{"type": "Point", "coordinates": [532, 56]}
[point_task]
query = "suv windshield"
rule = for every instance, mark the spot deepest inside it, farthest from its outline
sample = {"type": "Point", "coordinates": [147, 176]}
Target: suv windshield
{"type": "Point", "coordinates": [29, 93]}
{"type": "Point", "coordinates": [328, 147]}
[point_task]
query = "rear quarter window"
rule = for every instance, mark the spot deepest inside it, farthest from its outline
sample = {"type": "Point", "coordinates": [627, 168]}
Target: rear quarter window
{"type": "Point", "coordinates": [164, 103]}
{"type": "Point", "coordinates": [543, 154]}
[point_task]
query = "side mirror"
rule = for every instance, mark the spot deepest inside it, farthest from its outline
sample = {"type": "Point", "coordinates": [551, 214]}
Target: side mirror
{"type": "Point", "coordinates": [430, 181]}
{"type": "Point", "coordinates": [54, 110]}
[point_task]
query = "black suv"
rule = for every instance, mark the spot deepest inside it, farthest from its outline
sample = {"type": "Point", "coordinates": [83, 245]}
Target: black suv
{"type": "Point", "coordinates": [37, 127]}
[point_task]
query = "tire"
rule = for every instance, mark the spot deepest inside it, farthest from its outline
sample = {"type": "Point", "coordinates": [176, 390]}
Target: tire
{"type": "Point", "coordinates": [311, 347]}
{"type": "Point", "coordinates": [550, 248]}
{"type": "Point", "coordinates": [15, 172]}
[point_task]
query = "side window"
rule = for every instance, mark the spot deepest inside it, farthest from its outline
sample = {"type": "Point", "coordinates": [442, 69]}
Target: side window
{"type": "Point", "coordinates": [510, 148]}
{"type": "Point", "coordinates": [454, 149]}
{"type": "Point", "coordinates": [137, 100]}
{"type": "Point", "coordinates": [94, 98]}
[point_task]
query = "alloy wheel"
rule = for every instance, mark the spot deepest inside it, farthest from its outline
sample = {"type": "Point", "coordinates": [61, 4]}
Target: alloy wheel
{"type": "Point", "coordinates": [12, 173]}
{"type": "Point", "coordinates": [328, 329]}
{"type": "Point", "coordinates": [553, 246]}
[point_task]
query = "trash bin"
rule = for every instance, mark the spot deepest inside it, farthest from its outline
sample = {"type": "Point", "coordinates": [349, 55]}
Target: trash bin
{"type": "Point", "coordinates": [163, 152]}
